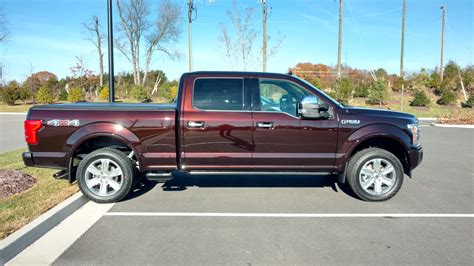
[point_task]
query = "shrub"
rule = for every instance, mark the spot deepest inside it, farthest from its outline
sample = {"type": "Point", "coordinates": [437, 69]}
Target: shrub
{"type": "Point", "coordinates": [378, 93]}
{"type": "Point", "coordinates": [447, 98]}
{"type": "Point", "coordinates": [24, 94]}
{"type": "Point", "coordinates": [362, 90]}
{"type": "Point", "coordinates": [344, 93]}
{"type": "Point", "coordinates": [104, 93]}
{"type": "Point", "coordinates": [420, 99]}
{"type": "Point", "coordinates": [44, 96]}
{"type": "Point", "coordinates": [75, 95]}
{"type": "Point", "coordinates": [9, 95]}
{"type": "Point", "coordinates": [138, 92]}
{"type": "Point", "coordinates": [469, 103]}
{"type": "Point", "coordinates": [62, 96]}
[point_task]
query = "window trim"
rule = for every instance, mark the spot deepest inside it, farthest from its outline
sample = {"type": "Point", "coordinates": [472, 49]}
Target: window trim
{"type": "Point", "coordinates": [214, 110]}
{"type": "Point", "coordinates": [298, 85]}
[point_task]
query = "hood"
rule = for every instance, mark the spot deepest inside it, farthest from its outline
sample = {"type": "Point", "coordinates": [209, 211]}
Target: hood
{"type": "Point", "coordinates": [381, 113]}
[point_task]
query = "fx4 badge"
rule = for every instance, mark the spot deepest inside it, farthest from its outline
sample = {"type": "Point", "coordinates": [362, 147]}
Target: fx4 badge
{"type": "Point", "coordinates": [350, 121]}
{"type": "Point", "coordinates": [63, 123]}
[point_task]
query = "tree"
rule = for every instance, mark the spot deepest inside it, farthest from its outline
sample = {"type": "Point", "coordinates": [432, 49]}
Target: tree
{"type": "Point", "coordinates": [96, 37]}
{"type": "Point", "coordinates": [4, 31]}
{"type": "Point", "coordinates": [136, 28]}
{"type": "Point", "coordinates": [238, 49]}
{"type": "Point", "coordinates": [44, 95]}
{"type": "Point", "coordinates": [420, 99]}
{"type": "Point", "coordinates": [76, 95]}
{"type": "Point", "coordinates": [362, 90]}
{"type": "Point", "coordinates": [10, 93]}
{"type": "Point", "coordinates": [378, 93]}
{"type": "Point", "coordinates": [80, 72]}
{"type": "Point", "coordinates": [344, 93]}
{"type": "Point", "coordinates": [381, 74]}
{"type": "Point", "coordinates": [447, 98]}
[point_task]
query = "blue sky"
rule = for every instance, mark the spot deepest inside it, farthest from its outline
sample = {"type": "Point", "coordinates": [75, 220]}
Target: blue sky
{"type": "Point", "coordinates": [48, 35]}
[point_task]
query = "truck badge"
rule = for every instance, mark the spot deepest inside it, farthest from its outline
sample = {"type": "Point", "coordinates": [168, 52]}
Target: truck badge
{"type": "Point", "coordinates": [63, 123]}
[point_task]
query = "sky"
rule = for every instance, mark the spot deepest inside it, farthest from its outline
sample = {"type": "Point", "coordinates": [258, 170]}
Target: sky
{"type": "Point", "coordinates": [48, 35]}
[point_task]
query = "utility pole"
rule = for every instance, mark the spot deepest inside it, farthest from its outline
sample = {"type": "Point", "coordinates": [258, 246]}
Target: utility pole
{"type": "Point", "coordinates": [441, 66]}
{"type": "Point", "coordinates": [190, 37]}
{"type": "Point", "coordinates": [339, 45]}
{"type": "Point", "coordinates": [264, 25]}
{"type": "Point", "coordinates": [402, 75]}
{"type": "Point", "coordinates": [111, 51]}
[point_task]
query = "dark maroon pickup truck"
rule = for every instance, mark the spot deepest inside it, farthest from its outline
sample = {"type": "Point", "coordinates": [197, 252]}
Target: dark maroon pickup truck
{"type": "Point", "coordinates": [225, 122]}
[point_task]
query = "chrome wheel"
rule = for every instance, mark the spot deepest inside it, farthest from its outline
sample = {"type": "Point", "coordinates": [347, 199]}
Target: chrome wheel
{"type": "Point", "coordinates": [377, 176]}
{"type": "Point", "coordinates": [104, 177]}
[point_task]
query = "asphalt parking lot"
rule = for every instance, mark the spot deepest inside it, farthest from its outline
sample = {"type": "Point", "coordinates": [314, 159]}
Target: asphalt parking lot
{"type": "Point", "coordinates": [230, 219]}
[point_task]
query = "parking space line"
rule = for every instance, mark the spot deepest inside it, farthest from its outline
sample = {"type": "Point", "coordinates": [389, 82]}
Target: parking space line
{"type": "Point", "coordinates": [293, 215]}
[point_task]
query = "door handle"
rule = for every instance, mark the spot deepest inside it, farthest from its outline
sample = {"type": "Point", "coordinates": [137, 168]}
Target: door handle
{"type": "Point", "coordinates": [268, 125]}
{"type": "Point", "coordinates": [195, 124]}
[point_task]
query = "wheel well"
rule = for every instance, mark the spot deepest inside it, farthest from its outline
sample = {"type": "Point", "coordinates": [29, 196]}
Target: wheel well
{"type": "Point", "coordinates": [93, 144]}
{"type": "Point", "coordinates": [388, 144]}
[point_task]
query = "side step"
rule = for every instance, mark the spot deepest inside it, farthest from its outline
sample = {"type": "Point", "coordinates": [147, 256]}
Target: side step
{"type": "Point", "coordinates": [159, 176]}
{"type": "Point", "coordinates": [61, 174]}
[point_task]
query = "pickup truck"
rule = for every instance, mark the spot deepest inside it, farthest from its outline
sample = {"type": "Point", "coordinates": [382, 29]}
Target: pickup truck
{"type": "Point", "coordinates": [226, 123]}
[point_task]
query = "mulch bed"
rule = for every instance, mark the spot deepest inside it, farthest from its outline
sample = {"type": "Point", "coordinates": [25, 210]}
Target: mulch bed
{"type": "Point", "coordinates": [12, 182]}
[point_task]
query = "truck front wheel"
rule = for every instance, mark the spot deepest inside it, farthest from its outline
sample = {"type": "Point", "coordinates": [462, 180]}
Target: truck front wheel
{"type": "Point", "coordinates": [374, 174]}
{"type": "Point", "coordinates": [105, 175]}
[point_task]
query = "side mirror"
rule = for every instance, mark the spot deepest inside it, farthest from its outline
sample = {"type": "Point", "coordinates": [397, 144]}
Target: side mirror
{"type": "Point", "coordinates": [309, 108]}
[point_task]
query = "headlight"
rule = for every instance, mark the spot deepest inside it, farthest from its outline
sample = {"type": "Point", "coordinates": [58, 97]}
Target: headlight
{"type": "Point", "coordinates": [415, 132]}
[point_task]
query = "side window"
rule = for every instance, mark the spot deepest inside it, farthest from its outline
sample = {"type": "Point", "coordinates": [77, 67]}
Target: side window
{"type": "Point", "coordinates": [218, 94]}
{"type": "Point", "coordinates": [280, 96]}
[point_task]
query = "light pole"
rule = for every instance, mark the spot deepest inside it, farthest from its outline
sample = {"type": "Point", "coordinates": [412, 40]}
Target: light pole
{"type": "Point", "coordinates": [111, 51]}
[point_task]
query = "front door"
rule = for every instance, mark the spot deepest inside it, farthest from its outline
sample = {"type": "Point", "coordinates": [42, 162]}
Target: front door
{"type": "Point", "coordinates": [282, 139]}
{"type": "Point", "coordinates": [216, 125]}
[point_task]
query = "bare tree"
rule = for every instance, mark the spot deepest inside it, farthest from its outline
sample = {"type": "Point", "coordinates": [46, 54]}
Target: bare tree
{"type": "Point", "coordinates": [96, 36]}
{"type": "Point", "coordinates": [4, 31]}
{"type": "Point", "coordinates": [137, 30]}
{"type": "Point", "coordinates": [133, 24]}
{"type": "Point", "coordinates": [238, 42]}
{"type": "Point", "coordinates": [79, 71]}
{"type": "Point", "coordinates": [166, 33]}
{"type": "Point", "coordinates": [238, 49]}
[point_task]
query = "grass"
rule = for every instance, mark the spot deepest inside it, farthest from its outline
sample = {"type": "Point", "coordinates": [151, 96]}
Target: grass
{"type": "Point", "coordinates": [17, 108]}
{"type": "Point", "coordinates": [21, 208]}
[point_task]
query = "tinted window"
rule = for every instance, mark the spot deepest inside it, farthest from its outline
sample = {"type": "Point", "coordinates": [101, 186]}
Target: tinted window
{"type": "Point", "coordinates": [280, 96]}
{"type": "Point", "coordinates": [218, 94]}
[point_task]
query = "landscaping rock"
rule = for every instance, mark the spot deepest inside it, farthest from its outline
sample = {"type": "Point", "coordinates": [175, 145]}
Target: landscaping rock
{"type": "Point", "coordinates": [13, 181]}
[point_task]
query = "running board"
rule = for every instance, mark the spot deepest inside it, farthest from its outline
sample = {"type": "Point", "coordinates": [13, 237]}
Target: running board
{"type": "Point", "coordinates": [160, 177]}
{"type": "Point", "coordinates": [255, 173]}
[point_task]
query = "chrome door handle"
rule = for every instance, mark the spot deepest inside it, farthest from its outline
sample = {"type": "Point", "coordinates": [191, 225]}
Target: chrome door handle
{"type": "Point", "coordinates": [265, 125]}
{"type": "Point", "coordinates": [195, 124]}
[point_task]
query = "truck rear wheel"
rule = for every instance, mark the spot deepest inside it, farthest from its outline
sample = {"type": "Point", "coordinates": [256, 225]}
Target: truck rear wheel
{"type": "Point", "coordinates": [374, 174]}
{"type": "Point", "coordinates": [105, 175]}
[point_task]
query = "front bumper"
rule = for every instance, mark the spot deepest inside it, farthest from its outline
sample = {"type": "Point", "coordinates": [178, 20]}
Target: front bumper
{"type": "Point", "coordinates": [415, 155]}
{"type": "Point", "coordinates": [28, 158]}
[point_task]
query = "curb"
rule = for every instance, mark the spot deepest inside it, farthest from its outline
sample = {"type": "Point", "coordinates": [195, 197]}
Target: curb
{"type": "Point", "coordinates": [452, 125]}
{"type": "Point", "coordinates": [12, 113]}
{"type": "Point", "coordinates": [21, 239]}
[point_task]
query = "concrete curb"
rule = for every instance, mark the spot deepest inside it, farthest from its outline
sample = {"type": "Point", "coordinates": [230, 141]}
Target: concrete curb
{"type": "Point", "coordinates": [21, 239]}
{"type": "Point", "coordinates": [12, 113]}
{"type": "Point", "coordinates": [452, 125]}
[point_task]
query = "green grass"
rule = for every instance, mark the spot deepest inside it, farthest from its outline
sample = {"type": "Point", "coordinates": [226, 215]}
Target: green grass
{"type": "Point", "coordinates": [21, 208]}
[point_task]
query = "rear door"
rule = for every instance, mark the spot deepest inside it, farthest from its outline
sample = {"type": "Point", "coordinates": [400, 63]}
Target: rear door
{"type": "Point", "coordinates": [282, 139]}
{"type": "Point", "coordinates": [216, 124]}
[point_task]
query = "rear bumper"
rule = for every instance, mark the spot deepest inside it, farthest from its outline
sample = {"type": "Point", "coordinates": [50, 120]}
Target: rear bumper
{"type": "Point", "coordinates": [415, 156]}
{"type": "Point", "coordinates": [28, 159]}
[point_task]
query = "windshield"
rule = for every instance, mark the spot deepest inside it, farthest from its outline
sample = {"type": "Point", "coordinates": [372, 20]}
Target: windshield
{"type": "Point", "coordinates": [320, 91]}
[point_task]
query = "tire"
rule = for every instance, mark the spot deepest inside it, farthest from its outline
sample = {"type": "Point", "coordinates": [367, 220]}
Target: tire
{"type": "Point", "coordinates": [370, 176]}
{"type": "Point", "coordinates": [105, 186]}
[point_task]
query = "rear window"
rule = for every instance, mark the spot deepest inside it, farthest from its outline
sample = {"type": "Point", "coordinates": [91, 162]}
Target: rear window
{"type": "Point", "coordinates": [218, 94]}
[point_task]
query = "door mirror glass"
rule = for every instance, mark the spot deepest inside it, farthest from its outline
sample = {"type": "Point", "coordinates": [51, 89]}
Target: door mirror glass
{"type": "Point", "coordinates": [310, 108]}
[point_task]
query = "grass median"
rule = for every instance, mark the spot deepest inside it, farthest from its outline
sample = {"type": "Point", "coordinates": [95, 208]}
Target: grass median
{"type": "Point", "coordinates": [19, 209]}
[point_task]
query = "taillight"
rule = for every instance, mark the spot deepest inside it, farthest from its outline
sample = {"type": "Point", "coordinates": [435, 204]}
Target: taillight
{"type": "Point", "coordinates": [31, 130]}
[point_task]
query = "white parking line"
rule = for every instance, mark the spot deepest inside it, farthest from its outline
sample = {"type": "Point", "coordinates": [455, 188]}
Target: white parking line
{"type": "Point", "coordinates": [293, 215]}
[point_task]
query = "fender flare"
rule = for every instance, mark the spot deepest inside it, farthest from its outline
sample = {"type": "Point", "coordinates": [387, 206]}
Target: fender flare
{"type": "Point", "coordinates": [102, 129]}
{"type": "Point", "coordinates": [365, 133]}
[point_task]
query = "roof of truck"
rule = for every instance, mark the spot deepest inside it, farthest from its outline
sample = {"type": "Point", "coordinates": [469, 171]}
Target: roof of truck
{"type": "Point", "coordinates": [236, 73]}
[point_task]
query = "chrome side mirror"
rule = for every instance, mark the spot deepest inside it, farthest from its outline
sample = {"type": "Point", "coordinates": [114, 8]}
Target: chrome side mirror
{"type": "Point", "coordinates": [310, 108]}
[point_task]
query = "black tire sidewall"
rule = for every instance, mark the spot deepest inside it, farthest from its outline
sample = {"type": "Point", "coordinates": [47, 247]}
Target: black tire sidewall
{"type": "Point", "coordinates": [358, 163]}
{"type": "Point", "coordinates": [122, 161]}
